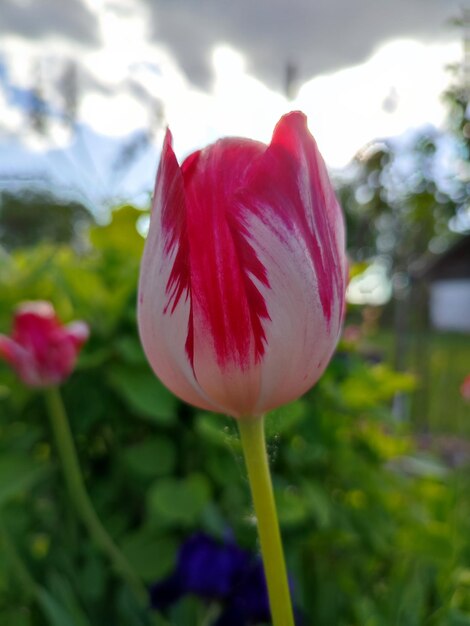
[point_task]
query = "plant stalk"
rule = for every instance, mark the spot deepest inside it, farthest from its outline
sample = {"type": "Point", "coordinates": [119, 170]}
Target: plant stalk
{"type": "Point", "coordinates": [256, 459]}
{"type": "Point", "coordinates": [79, 495]}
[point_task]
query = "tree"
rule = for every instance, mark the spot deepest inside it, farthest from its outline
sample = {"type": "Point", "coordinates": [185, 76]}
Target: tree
{"type": "Point", "coordinates": [32, 216]}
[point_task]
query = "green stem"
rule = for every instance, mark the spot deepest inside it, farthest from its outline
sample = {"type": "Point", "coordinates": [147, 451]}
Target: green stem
{"type": "Point", "coordinates": [79, 496]}
{"type": "Point", "coordinates": [256, 459]}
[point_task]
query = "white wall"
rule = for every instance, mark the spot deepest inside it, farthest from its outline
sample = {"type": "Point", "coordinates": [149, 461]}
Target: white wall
{"type": "Point", "coordinates": [450, 304]}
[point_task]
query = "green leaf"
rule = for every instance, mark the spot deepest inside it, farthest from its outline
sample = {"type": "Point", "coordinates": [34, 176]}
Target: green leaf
{"type": "Point", "coordinates": [120, 234]}
{"type": "Point", "coordinates": [155, 457]}
{"type": "Point", "coordinates": [63, 592]}
{"type": "Point", "coordinates": [151, 558]}
{"type": "Point", "coordinates": [53, 610]}
{"type": "Point", "coordinates": [92, 576]}
{"type": "Point", "coordinates": [292, 508]}
{"type": "Point", "coordinates": [130, 350]}
{"type": "Point", "coordinates": [285, 419]}
{"type": "Point", "coordinates": [218, 430]}
{"type": "Point", "coordinates": [318, 503]}
{"type": "Point", "coordinates": [456, 618]}
{"type": "Point", "coordinates": [188, 612]}
{"type": "Point", "coordinates": [174, 501]}
{"type": "Point", "coordinates": [15, 617]}
{"type": "Point", "coordinates": [18, 474]}
{"type": "Point", "coordinates": [144, 393]}
{"type": "Point", "coordinates": [4, 391]}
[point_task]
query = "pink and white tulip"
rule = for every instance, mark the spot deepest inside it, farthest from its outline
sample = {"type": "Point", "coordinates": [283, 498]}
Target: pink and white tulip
{"type": "Point", "coordinates": [41, 350]}
{"type": "Point", "coordinates": [465, 388]}
{"type": "Point", "coordinates": [243, 276]}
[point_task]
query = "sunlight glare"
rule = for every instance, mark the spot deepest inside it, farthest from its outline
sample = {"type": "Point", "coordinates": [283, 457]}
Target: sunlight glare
{"type": "Point", "coordinates": [377, 98]}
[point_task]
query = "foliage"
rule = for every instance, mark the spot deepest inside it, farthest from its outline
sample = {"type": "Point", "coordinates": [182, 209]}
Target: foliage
{"type": "Point", "coordinates": [374, 534]}
{"type": "Point", "coordinates": [32, 216]}
{"type": "Point", "coordinates": [397, 203]}
{"type": "Point", "coordinates": [440, 362]}
{"type": "Point", "coordinates": [457, 100]}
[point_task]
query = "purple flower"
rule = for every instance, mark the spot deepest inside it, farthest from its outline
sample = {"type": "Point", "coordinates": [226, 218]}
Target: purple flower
{"type": "Point", "coordinates": [248, 602]}
{"type": "Point", "coordinates": [217, 571]}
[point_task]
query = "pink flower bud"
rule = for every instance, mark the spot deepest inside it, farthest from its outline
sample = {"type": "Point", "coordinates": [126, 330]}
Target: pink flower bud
{"type": "Point", "coordinates": [465, 388]}
{"type": "Point", "coordinates": [41, 350]}
{"type": "Point", "coordinates": [243, 276]}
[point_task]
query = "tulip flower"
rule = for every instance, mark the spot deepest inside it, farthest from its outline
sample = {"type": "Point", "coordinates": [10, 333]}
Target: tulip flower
{"type": "Point", "coordinates": [41, 350]}
{"type": "Point", "coordinates": [243, 276]}
{"type": "Point", "coordinates": [465, 388]}
{"type": "Point", "coordinates": [241, 293]}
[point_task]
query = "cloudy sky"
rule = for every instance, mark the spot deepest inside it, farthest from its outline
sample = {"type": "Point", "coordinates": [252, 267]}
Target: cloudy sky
{"type": "Point", "coordinates": [360, 69]}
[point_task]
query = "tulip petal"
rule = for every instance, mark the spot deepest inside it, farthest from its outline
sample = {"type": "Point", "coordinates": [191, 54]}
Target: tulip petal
{"type": "Point", "coordinates": [78, 333]}
{"type": "Point", "coordinates": [228, 307]}
{"type": "Point", "coordinates": [242, 283]}
{"type": "Point", "coordinates": [223, 261]}
{"type": "Point", "coordinates": [298, 232]}
{"type": "Point", "coordinates": [295, 164]}
{"type": "Point", "coordinates": [164, 303]}
{"type": "Point", "coordinates": [9, 350]}
{"type": "Point", "coordinates": [21, 360]}
{"type": "Point", "coordinates": [299, 339]}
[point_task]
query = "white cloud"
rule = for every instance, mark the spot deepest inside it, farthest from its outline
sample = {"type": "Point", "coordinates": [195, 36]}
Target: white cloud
{"type": "Point", "coordinates": [350, 107]}
{"type": "Point", "coordinates": [115, 115]}
{"type": "Point", "coordinates": [126, 77]}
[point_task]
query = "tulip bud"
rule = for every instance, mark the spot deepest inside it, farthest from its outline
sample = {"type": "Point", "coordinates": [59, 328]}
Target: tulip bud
{"type": "Point", "coordinates": [242, 282]}
{"type": "Point", "coordinates": [465, 388]}
{"type": "Point", "coordinates": [41, 350]}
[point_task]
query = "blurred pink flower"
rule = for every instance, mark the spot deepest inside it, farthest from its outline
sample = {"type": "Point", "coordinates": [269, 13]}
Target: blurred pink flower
{"type": "Point", "coordinates": [242, 282]}
{"type": "Point", "coordinates": [41, 350]}
{"type": "Point", "coordinates": [465, 388]}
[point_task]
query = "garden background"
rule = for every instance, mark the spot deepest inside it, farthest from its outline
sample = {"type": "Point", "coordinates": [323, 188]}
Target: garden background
{"type": "Point", "coordinates": [370, 468]}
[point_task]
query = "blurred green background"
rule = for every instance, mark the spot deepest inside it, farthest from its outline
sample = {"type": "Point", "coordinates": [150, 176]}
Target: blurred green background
{"type": "Point", "coordinates": [374, 507]}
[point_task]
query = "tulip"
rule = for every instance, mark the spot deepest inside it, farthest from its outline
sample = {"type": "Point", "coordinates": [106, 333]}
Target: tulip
{"type": "Point", "coordinates": [242, 281]}
{"type": "Point", "coordinates": [41, 350]}
{"type": "Point", "coordinates": [465, 388]}
{"type": "Point", "coordinates": [241, 293]}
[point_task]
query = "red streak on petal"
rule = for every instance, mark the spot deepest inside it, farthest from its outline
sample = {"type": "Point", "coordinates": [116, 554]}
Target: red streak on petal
{"type": "Point", "coordinates": [169, 200]}
{"type": "Point", "coordinates": [250, 266]}
{"type": "Point", "coordinates": [224, 262]}
{"type": "Point", "coordinates": [205, 208]}
{"type": "Point", "coordinates": [169, 197]}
